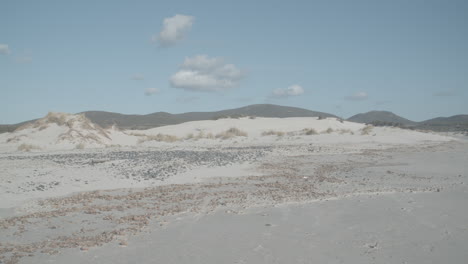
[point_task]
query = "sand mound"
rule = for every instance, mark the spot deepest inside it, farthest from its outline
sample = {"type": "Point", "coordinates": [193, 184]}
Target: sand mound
{"type": "Point", "coordinates": [59, 131]}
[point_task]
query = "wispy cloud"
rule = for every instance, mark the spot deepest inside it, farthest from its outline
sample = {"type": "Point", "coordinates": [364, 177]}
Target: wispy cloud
{"type": "Point", "coordinates": [138, 77]}
{"type": "Point", "coordinates": [293, 90]}
{"type": "Point", "coordinates": [204, 74]}
{"type": "Point", "coordinates": [4, 49]}
{"type": "Point", "coordinates": [174, 29]}
{"type": "Point", "coordinates": [359, 96]}
{"type": "Point", "coordinates": [151, 91]}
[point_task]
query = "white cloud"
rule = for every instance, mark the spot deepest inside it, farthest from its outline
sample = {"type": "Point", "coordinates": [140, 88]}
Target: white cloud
{"type": "Point", "coordinates": [293, 90]}
{"type": "Point", "coordinates": [359, 96]}
{"type": "Point", "coordinates": [151, 91]}
{"type": "Point", "coordinates": [138, 77]}
{"type": "Point", "coordinates": [4, 49]}
{"type": "Point", "coordinates": [201, 73]}
{"type": "Point", "coordinates": [174, 29]}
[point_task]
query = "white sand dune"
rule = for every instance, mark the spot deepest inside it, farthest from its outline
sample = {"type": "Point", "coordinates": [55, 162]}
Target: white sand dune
{"type": "Point", "coordinates": [276, 190]}
{"type": "Point", "coordinates": [59, 131]}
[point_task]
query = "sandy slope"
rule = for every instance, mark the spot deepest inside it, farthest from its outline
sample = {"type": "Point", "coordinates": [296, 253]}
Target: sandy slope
{"type": "Point", "coordinates": [58, 131]}
{"type": "Point", "coordinates": [343, 196]}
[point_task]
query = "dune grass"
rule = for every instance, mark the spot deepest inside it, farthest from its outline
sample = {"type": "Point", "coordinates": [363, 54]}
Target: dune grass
{"type": "Point", "coordinates": [159, 137]}
{"type": "Point", "coordinates": [230, 133]}
{"type": "Point", "coordinates": [273, 133]}
{"type": "Point", "coordinates": [328, 131]}
{"type": "Point", "coordinates": [80, 146]}
{"type": "Point", "coordinates": [309, 131]}
{"type": "Point", "coordinates": [27, 147]}
{"type": "Point", "coordinates": [367, 130]}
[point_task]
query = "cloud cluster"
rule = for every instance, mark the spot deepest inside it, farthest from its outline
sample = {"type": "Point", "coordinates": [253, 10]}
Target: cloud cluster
{"type": "Point", "coordinates": [151, 91]}
{"type": "Point", "coordinates": [202, 73]}
{"type": "Point", "coordinates": [359, 96]}
{"type": "Point", "coordinates": [4, 49]}
{"type": "Point", "coordinates": [174, 30]}
{"type": "Point", "coordinates": [293, 90]}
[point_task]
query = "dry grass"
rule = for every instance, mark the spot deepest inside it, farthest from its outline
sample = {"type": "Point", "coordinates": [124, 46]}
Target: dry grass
{"type": "Point", "coordinates": [200, 135]}
{"type": "Point", "coordinates": [273, 133]}
{"type": "Point", "coordinates": [57, 118]}
{"type": "Point", "coordinates": [15, 138]}
{"type": "Point", "coordinates": [310, 131]}
{"type": "Point", "coordinates": [230, 133]}
{"type": "Point", "coordinates": [160, 138]}
{"type": "Point", "coordinates": [136, 134]}
{"type": "Point", "coordinates": [367, 130]}
{"type": "Point", "coordinates": [27, 147]}
{"type": "Point", "coordinates": [209, 136]}
{"type": "Point", "coordinates": [345, 131]}
{"type": "Point", "coordinates": [329, 130]}
{"type": "Point", "coordinates": [80, 146]}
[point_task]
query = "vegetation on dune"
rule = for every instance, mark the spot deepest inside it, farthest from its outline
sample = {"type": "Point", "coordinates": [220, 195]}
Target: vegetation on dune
{"type": "Point", "coordinates": [27, 147]}
{"type": "Point", "coordinates": [273, 133]}
{"type": "Point", "coordinates": [230, 133]}
{"type": "Point", "coordinates": [367, 130]}
{"type": "Point", "coordinates": [159, 137]}
{"type": "Point", "coordinates": [310, 131]}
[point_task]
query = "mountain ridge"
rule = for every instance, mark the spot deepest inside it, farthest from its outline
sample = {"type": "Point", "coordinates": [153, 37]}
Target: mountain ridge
{"type": "Point", "coordinates": [382, 117]}
{"type": "Point", "coordinates": [156, 119]}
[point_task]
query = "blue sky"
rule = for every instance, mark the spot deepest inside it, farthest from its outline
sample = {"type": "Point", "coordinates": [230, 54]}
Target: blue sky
{"type": "Point", "coordinates": [342, 57]}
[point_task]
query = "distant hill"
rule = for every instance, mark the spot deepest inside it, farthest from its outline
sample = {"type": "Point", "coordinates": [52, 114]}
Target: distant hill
{"type": "Point", "coordinates": [106, 119]}
{"type": "Point", "coordinates": [377, 118]}
{"type": "Point", "coordinates": [11, 128]}
{"type": "Point", "coordinates": [453, 123]}
{"type": "Point", "coordinates": [385, 118]}
{"type": "Point", "coordinates": [381, 118]}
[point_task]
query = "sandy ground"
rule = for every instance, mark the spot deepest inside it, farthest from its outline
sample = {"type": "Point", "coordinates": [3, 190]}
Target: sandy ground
{"type": "Point", "coordinates": [371, 200]}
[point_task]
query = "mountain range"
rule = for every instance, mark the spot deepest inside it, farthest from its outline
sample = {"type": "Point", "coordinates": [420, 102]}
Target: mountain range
{"type": "Point", "coordinates": [378, 118]}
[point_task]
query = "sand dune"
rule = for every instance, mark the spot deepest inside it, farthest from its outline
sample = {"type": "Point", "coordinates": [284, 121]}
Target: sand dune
{"type": "Point", "coordinates": [84, 194]}
{"type": "Point", "coordinates": [59, 131]}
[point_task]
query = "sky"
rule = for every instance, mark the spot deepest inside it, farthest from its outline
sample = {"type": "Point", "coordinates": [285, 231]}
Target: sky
{"type": "Point", "coordinates": [139, 57]}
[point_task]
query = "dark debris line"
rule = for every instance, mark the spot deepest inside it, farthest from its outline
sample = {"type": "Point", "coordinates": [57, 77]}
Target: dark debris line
{"type": "Point", "coordinates": [149, 164]}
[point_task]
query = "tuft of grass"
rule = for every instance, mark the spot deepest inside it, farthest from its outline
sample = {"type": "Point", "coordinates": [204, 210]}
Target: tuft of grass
{"type": "Point", "coordinates": [80, 146]}
{"type": "Point", "coordinates": [160, 138]}
{"type": "Point", "coordinates": [27, 147]}
{"type": "Point", "coordinates": [200, 135]}
{"type": "Point", "coordinates": [345, 131]}
{"type": "Point", "coordinates": [57, 118]}
{"type": "Point", "coordinates": [273, 133]}
{"type": "Point", "coordinates": [310, 131]}
{"type": "Point", "coordinates": [137, 134]}
{"type": "Point", "coordinates": [329, 130]}
{"type": "Point", "coordinates": [230, 133]}
{"type": "Point", "coordinates": [367, 130]}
